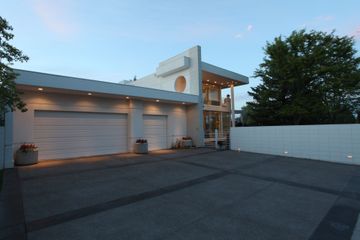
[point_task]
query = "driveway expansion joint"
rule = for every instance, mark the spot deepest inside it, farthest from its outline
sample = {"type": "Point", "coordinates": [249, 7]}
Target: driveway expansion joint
{"type": "Point", "coordinates": [101, 207]}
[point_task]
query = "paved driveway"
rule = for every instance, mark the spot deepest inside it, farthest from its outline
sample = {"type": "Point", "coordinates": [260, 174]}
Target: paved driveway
{"type": "Point", "coordinates": [190, 194]}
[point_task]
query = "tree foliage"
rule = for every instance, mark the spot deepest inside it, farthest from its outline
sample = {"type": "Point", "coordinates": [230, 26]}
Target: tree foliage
{"type": "Point", "coordinates": [9, 97]}
{"type": "Point", "coordinates": [307, 78]}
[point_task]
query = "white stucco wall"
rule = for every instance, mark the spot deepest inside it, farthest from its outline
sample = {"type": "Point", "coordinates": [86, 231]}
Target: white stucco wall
{"type": "Point", "coordinates": [335, 143]}
{"type": "Point", "coordinates": [21, 127]}
{"type": "Point", "coordinates": [191, 73]}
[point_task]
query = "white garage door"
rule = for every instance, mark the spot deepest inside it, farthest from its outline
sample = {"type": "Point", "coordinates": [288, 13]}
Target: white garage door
{"type": "Point", "coordinates": [74, 134]}
{"type": "Point", "coordinates": [155, 131]}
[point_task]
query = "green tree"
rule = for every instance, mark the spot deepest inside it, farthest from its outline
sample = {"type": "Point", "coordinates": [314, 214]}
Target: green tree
{"type": "Point", "coordinates": [9, 96]}
{"type": "Point", "coordinates": [246, 119]}
{"type": "Point", "coordinates": [307, 78]}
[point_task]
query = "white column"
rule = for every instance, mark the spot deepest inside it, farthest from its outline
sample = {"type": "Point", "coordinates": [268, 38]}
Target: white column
{"type": "Point", "coordinates": [216, 136]}
{"type": "Point", "coordinates": [135, 122]}
{"type": "Point", "coordinates": [232, 106]}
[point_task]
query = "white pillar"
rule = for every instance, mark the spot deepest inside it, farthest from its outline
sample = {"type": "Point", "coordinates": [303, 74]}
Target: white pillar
{"type": "Point", "coordinates": [135, 122]}
{"type": "Point", "coordinates": [216, 137]}
{"type": "Point", "coordinates": [232, 106]}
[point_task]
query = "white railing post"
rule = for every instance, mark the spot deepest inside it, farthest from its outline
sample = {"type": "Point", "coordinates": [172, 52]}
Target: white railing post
{"type": "Point", "coordinates": [216, 138]}
{"type": "Point", "coordinates": [232, 106]}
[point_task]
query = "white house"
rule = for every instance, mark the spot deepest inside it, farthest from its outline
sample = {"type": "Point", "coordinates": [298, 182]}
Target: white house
{"type": "Point", "coordinates": [72, 117]}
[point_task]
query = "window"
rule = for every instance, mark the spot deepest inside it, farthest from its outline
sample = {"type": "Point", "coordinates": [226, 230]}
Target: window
{"type": "Point", "coordinates": [180, 84]}
{"type": "Point", "coordinates": [211, 95]}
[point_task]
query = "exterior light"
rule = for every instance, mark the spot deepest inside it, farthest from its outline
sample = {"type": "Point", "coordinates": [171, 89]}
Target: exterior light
{"type": "Point", "coordinates": [127, 98]}
{"type": "Point", "coordinates": [157, 100]}
{"type": "Point", "coordinates": [349, 156]}
{"type": "Point", "coordinates": [286, 152]}
{"type": "Point", "coordinates": [183, 103]}
{"type": "Point", "coordinates": [89, 93]}
{"type": "Point", "coordinates": [40, 89]}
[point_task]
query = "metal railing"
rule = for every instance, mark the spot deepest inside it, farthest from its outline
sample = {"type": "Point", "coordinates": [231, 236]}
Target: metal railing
{"type": "Point", "coordinates": [218, 140]}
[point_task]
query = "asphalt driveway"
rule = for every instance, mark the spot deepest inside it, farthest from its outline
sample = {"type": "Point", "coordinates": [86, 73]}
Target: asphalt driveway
{"type": "Point", "coordinates": [190, 194]}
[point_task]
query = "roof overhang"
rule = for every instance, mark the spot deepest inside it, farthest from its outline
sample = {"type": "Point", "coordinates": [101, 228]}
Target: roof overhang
{"type": "Point", "coordinates": [227, 77]}
{"type": "Point", "coordinates": [29, 80]}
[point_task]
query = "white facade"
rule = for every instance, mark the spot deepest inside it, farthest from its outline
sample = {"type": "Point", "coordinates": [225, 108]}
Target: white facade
{"type": "Point", "coordinates": [89, 117]}
{"type": "Point", "coordinates": [186, 64]}
{"type": "Point", "coordinates": [336, 142]}
{"type": "Point", "coordinates": [74, 117]}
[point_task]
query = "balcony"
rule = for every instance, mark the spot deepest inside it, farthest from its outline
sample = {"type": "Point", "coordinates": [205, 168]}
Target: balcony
{"type": "Point", "coordinates": [223, 107]}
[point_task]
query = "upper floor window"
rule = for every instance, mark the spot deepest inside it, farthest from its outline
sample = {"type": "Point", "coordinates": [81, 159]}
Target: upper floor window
{"type": "Point", "coordinates": [211, 94]}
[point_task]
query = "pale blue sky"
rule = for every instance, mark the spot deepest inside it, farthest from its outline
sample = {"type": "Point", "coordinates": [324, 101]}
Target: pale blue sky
{"type": "Point", "coordinates": [117, 39]}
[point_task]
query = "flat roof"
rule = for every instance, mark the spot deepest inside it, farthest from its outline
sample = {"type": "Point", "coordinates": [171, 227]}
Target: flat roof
{"type": "Point", "coordinates": [73, 84]}
{"type": "Point", "coordinates": [227, 75]}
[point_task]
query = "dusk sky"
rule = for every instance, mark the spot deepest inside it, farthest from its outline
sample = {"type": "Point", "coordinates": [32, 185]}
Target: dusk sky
{"type": "Point", "coordinates": [117, 39]}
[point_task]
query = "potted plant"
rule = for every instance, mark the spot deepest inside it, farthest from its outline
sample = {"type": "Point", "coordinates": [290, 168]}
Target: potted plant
{"type": "Point", "coordinates": [141, 146]}
{"type": "Point", "coordinates": [186, 142]}
{"type": "Point", "coordinates": [27, 154]}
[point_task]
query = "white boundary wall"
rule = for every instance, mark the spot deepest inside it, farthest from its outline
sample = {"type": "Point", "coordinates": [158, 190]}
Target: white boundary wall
{"type": "Point", "coordinates": [334, 143]}
{"type": "Point", "coordinates": [2, 132]}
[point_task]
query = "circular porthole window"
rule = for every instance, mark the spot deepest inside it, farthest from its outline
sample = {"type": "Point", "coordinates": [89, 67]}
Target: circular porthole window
{"type": "Point", "coordinates": [180, 84]}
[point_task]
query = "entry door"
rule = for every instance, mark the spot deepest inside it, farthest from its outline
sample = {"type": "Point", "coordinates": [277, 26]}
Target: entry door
{"type": "Point", "coordinates": [155, 131]}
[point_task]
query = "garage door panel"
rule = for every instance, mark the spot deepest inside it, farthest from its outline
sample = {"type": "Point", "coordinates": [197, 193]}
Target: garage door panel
{"type": "Point", "coordinates": [82, 125]}
{"type": "Point", "coordinates": [79, 139]}
{"type": "Point", "coordinates": [78, 121]}
{"type": "Point", "coordinates": [59, 133]}
{"type": "Point", "coordinates": [78, 144]}
{"type": "Point", "coordinates": [155, 131]}
{"type": "Point", "coordinates": [84, 150]}
{"type": "Point", "coordinates": [73, 134]}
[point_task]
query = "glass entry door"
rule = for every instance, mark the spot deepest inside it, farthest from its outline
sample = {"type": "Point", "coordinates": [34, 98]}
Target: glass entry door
{"type": "Point", "coordinates": [211, 122]}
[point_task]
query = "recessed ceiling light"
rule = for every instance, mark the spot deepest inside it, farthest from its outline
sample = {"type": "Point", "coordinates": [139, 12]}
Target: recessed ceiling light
{"type": "Point", "coordinates": [157, 100]}
{"type": "Point", "coordinates": [40, 89]}
{"type": "Point", "coordinates": [89, 93]}
{"type": "Point", "coordinates": [215, 82]}
{"type": "Point", "coordinates": [208, 80]}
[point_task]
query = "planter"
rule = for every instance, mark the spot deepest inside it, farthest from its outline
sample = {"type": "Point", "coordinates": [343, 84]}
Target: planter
{"type": "Point", "coordinates": [186, 143]}
{"type": "Point", "coordinates": [141, 148]}
{"type": "Point", "coordinates": [26, 158]}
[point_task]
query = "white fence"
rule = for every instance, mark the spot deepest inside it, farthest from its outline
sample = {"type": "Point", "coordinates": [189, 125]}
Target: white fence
{"type": "Point", "coordinates": [2, 147]}
{"type": "Point", "coordinates": [335, 143]}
